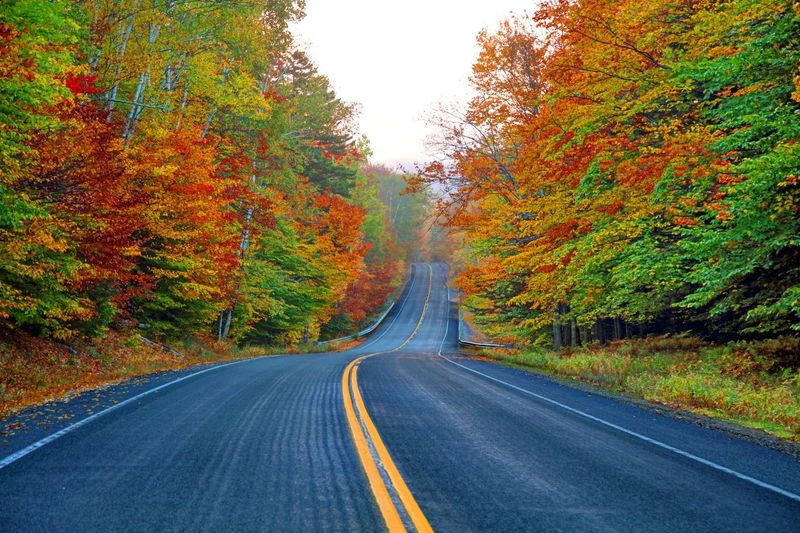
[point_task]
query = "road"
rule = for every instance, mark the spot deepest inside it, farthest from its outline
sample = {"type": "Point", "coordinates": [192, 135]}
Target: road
{"type": "Point", "coordinates": [401, 432]}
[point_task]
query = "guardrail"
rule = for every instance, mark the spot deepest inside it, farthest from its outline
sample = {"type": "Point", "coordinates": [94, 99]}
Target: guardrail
{"type": "Point", "coordinates": [378, 322]}
{"type": "Point", "coordinates": [363, 332]}
{"type": "Point", "coordinates": [162, 347]}
{"type": "Point", "coordinates": [483, 344]}
{"type": "Point", "coordinates": [471, 344]}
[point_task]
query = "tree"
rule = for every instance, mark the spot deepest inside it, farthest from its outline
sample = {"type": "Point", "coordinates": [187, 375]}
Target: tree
{"type": "Point", "coordinates": [633, 166]}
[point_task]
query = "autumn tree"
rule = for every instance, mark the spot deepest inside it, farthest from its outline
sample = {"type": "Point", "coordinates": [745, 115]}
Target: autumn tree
{"type": "Point", "coordinates": [180, 167]}
{"type": "Point", "coordinates": [609, 172]}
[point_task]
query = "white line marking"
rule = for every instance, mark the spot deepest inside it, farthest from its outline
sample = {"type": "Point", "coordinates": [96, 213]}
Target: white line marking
{"type": "Point", "coordinates": [655, 442]}
{"type": "Point", "coordinates": [446, 323]}
{"type": "Point", "coordinates": [69, 429]}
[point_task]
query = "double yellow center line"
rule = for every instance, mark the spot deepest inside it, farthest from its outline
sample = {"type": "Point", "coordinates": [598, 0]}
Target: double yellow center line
{"type": "Point", "coordinates": [358, 418]}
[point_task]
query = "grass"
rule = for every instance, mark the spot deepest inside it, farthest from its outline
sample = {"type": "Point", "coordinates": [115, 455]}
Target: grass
{"type": "Point", "coordinates": [756, 385]}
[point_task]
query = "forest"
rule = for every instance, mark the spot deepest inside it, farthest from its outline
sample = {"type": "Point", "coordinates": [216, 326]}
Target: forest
{"type": "Point", "coordinates": [598, 259]}
{"type": "Point", "coordinates": [628, 168]}
{"type": "Point", "coordinates": [181, 168]}
{"type": "Point", "coordinates": [180, 174]}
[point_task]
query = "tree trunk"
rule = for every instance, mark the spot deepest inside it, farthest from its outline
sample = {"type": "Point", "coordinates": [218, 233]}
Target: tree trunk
{"type": "Point", "coordinates": [208, 123]}
{"type": "Point", "coordinates": [112, 96]}
{"type": "Point", "coordinates": [227, 329]}
{"type": "Point", "coordinates": [575, 339]}
{"type": "Point", "coordinates": [214, 110]}
{"type": "Point", "coordinates": [557, 341]}
{"type": "Point", "coordinates": [599, 331]}
{"type": "Point", "coordinates": [585, 334]}
{"type": "Point", "coordinates": [138, 98]}
{"type": "Point", "coordinates": [183, 106]}
{"type": "Point", "coordinates": [133, 113]}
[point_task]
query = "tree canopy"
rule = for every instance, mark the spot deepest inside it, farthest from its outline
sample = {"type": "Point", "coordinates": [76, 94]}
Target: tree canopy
{"type": "Point", "coordinates": [630, 165]}
{"type": "Point", "coordinates": [181, 167]}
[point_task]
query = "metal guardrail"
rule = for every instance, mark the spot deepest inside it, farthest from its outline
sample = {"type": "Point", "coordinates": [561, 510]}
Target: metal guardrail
{"type": "Point", "coordinates": [363, 332]}
{"type": "Point", "coordinates": [471, 344]}
{"type": "Point", "coordinates": [378, 322]}
{"type": "Point", "coordinates": [483, 344]}
{"type": "Point", "coordinates": [162, 347]}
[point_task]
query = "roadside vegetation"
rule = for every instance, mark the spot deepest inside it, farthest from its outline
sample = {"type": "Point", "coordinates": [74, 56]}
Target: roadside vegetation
{"type": "Point", "coordinates": [35, 370]}
{"type": "Point", "coordinates": [753, 384]}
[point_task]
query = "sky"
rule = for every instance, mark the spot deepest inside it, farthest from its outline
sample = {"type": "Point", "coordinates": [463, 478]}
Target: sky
{"type": "Point", "coordinates": [397, 60]}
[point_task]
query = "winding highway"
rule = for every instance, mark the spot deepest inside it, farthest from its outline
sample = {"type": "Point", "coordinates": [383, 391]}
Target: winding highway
{"type": "Point", "coordinates": [400, 433]}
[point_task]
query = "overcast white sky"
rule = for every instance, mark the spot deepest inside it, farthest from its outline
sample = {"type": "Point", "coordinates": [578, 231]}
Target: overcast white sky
{"type": "Point", "coordinates": [398, 59]}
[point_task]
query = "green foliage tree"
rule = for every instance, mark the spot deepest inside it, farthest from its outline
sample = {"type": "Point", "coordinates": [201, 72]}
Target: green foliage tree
{"type": "Point", "coordinates": [629, 167]}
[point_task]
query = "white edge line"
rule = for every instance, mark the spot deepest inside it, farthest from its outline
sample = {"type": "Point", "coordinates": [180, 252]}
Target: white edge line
{"type": "Point", "coordinates": [69, 429]}
{"type": "Point", "coordinates": [655, 442]}
{"type": "Point", "coordinates": [712, 464]}
{"type": "Point", "coordinates": [446, 323]}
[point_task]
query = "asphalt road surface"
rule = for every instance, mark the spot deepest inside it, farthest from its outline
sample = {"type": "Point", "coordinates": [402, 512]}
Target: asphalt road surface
{"type": "Point", "coordinates": [400, 432]}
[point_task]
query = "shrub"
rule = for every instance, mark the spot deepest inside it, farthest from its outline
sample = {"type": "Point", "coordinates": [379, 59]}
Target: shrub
{"type": "Point", "coordinates": [770, 355]}
{"type": "Point", "coordinates": [663, 344]}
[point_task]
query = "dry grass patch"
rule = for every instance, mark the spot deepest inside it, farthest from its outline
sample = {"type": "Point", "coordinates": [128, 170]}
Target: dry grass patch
{"type": "Point", "coordinates": [34, 370]}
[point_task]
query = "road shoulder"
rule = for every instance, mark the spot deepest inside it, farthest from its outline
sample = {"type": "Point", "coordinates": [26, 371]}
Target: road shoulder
{"type": "Point", "coordinates": [752, 435]}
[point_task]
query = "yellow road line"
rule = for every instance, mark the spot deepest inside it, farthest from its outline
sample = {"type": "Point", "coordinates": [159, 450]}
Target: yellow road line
{"type": "Point", "coordinates": [412, 508]}
{"type": "Point", "coordinates": [388, 510]}
{"type": "Point", "coordinates": [390, 513]}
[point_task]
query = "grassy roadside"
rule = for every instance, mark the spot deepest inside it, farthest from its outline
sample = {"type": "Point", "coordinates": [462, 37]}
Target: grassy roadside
{"type": "Point", "coordinates": [33, 370]}
{"type": "Point", "coordinates": [756, 385]}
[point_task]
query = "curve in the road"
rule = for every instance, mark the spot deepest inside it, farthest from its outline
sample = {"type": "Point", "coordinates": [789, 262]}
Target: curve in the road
{"type": "Point", "coordinates": [371, 449]}
{"type": "Point", "coordinates": [258, 444]}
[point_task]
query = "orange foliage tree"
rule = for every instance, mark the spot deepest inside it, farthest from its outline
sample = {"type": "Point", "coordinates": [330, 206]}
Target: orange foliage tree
{"type": "Point", "coordinates": [609, 147]}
